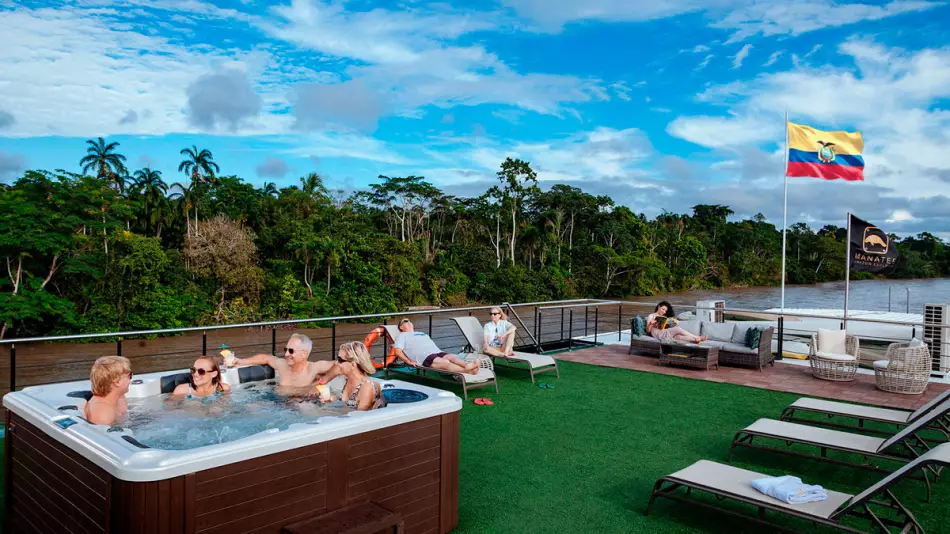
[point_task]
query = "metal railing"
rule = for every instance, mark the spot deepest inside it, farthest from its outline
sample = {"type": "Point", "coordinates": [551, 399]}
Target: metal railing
{"type": "Point", "coordinates": [535, 333]}
{"type": "Point", "coordinates": [545, 326]}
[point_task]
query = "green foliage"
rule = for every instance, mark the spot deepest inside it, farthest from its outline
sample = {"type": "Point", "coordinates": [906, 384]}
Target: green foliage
{"type": "Point", "coordinates": [107, 252]}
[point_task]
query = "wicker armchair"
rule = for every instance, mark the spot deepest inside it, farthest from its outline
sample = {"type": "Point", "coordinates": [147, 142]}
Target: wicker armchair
{"type": "Point", "coordinates": [835, 367]}
{"type": "Point", "coordinates": [906, 369]}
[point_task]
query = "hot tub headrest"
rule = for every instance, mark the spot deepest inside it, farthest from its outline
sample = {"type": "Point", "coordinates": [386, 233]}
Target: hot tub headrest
{"type": "Point", "coordinates": [254, 373]}
{"type": "Point", "coordinates": [83, 394]}
{"type": "Point", "coordinates": [170, 382]}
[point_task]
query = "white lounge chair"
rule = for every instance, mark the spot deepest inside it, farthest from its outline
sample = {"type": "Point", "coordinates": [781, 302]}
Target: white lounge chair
{"type": "Point", "coordinates": [861, 413]}
{"type": "Point", "coordinates": [903, 446]}
{"type": "Point", "coordinates": [728, 482]}
{"type": "Point", "coordinates": [485, 376]}
{"type": "Point", "coordinates": [535, 364]}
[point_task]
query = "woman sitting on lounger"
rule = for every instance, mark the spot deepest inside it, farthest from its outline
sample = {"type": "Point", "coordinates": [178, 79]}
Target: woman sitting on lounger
{"type": "Point", "coordinates": [662, 325]}
{"type": "Point", "coordinates": [499, 335]}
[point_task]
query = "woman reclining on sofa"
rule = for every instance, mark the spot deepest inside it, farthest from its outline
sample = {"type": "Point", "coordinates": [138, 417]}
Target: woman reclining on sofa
{"type": "Point", "coordinates": [662, 325]}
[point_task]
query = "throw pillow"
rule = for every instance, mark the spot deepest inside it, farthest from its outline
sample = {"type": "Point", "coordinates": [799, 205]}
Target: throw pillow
{"type": "Point", "coordinates": [752, 337]}
{"type": "Point", "coordinates": [834, 341]}
{"type": "Point", "coordinates": [639, 326]}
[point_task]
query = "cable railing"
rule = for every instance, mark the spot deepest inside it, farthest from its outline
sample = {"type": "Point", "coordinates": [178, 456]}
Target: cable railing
{"type": "Point", "coordinates": [544, 326]}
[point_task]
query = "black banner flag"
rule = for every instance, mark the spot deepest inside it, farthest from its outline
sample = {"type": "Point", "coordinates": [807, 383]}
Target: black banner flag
{"type": "Point", "coordinates": [871, 250]}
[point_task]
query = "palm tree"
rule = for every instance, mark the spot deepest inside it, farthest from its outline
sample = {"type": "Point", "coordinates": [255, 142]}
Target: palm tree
{"type": "Point", "coordinates": [312, 185]}
{"type": "Point", "coordinates": [200, 166]}
{"type": "Point", "coordinates": [107, 162]}
{"type": "Point", "coordinates": [153, 189]}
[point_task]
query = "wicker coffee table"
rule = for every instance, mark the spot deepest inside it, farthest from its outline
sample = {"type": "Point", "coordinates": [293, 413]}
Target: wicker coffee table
{"type": "Point", "coordinates": [688, 355]}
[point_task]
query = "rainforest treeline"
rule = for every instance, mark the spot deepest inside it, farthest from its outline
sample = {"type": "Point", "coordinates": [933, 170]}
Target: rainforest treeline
{"type": "Point", "coordinates": [111, 249]}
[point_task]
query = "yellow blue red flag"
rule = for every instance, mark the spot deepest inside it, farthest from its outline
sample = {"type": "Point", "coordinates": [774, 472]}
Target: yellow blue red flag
{"type": "Point", "coordinates": [818, 154]}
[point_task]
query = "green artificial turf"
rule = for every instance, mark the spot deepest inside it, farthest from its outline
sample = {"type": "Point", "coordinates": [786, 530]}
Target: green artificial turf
{"type": "Point", "coordinates": [583, 457]}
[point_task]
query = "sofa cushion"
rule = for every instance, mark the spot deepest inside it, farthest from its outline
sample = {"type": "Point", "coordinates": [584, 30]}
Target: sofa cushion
{"type": "Point", "coordinates": [639, 326]}
{"type": "Point", "coordinates": [691, 326]}
{"type": "Point", "coordinates": [914, 343]}
{"type": "Point", "coordinates": [646, 338]}
{"type": "Point", "coordinates": [713, 343]}
{"type": "Point", "coordinates": [718, 331]}
{"type": "Point", "coordinates": [894, 366]}
{"type": "Point", "coordinates": [753, 336]}
{"type": "Point", "coordinates": [836, 356]}
{"type": "Point", "coordinates": [740, 332]}
{"type": "Point", "coordinates": [739, 348]}
{"type": "Point", "coordinates": [834, 341]}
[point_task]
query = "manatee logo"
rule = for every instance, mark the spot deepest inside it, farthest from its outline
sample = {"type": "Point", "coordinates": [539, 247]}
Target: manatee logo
{"type": "Point", "coordinates": [875, 241]}
{"type": "Point", "coordinates": [826, 152]}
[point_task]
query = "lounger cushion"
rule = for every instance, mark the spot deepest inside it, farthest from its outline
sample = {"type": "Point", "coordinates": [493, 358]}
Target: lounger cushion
{"type": "Point", "coordinates": [834, 341]}
{"type": "Point", "coordinates": [836, 356]}
{"type": "Point", "coordinates": [718, 331]}
{"type": "Point", "coordinates": [852, 410]}
{"type": "Point", "coordinates": [795, 432]}
{"type": "Point", "coordinates": [739, 348]}
{"type": "Point", "coordinates": [534, 360]}
{"type": "Point", "coordinates": [738, 483]}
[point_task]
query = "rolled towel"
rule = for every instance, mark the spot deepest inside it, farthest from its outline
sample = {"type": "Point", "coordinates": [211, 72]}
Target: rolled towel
{"type": "Point", "coordinates": [790, 489]}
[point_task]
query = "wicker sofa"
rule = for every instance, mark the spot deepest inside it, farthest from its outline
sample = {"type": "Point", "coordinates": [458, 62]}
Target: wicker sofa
{"type": "Point", "coordinates": [730, 351]}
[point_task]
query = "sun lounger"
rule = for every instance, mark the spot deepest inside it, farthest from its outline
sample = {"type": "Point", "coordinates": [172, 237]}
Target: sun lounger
{"type": "Point", "coordinates": [903, 446]}
{"type": "Point", "coordinates": [728, 482]}
{"type": "Point", "coordinates": [484, 378]}
{"type": "Point", "coordinates": [834, 409]}
{"type": "Point", "coordinates": [535, 363]}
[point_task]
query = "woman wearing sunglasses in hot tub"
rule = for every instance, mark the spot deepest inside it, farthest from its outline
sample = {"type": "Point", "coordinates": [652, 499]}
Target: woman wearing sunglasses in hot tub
{"type": "Point", "coordinates": [205, 380]}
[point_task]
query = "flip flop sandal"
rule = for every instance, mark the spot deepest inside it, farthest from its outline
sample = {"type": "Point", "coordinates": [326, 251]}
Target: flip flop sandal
{"type": "Point", "coordinates": [479, 401]}
{"type": "Point", "coordinates": [487, 402]}
{"type": "Point", "coordinates": [546, 385]}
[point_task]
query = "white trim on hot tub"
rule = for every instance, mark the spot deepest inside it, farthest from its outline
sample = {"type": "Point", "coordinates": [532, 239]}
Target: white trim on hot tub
{"type": "Point", "coordinates": [39, 406]}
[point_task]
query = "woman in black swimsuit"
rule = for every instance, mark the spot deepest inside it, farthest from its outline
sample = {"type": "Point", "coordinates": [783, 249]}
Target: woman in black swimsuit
{"type": "Point", "coordinates": [360, 392]}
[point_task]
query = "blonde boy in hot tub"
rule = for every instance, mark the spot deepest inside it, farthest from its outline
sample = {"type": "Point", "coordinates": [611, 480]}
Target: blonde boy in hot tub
{"type": "Point", "coordinates": [110, 377]}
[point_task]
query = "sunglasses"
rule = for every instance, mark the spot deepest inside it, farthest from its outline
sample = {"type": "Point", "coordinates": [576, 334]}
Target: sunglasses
{"type": "Point", "coordinates": [199, 371]}
{"type": "Point", "coordinates": [130, 375]}
{"type": "Point", "coordinates": [289, 350]}
{"type": "Point", "coordinates": [496, 313]}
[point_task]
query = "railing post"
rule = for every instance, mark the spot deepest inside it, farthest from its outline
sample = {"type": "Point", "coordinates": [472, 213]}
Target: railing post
{"type": "Point", "coordinates": [273, 341]}
{"type": "Point", "coordinates": [539, 327]}
{"type": "Point", "coordinates": [385, 341]}
{"type": "Point", "coordinates": [12, 371]}
{"type": "Point", "coordinates": [586, 309]}
{"type": "Point", "coordinates": [118, 347]}
{"type": "Point", "coordinates": [332, 339]}
{"type": "Point", "coordinates": [562, 324]}
{"type": "Point", "coordinates": [430, 325]}
{"type": "Point", "coordinates": [596, 317]}
{"type": "Point", "coordinates": [620, 322]}
{"type": "Point", "coordinates": [781, 335]}
{"type": "Point", "coordinates": [570, 330]}
{"type": "Point", "coordinates": [537, 331]}
{"type": "Point", "coordinates": [204, 343]}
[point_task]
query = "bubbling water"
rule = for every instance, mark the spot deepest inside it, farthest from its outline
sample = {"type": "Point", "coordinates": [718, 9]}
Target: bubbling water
{"type": "Point", "coordinates": [164, 422]}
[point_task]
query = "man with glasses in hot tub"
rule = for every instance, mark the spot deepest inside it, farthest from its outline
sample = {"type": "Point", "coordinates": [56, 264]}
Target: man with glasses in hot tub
{"type": "Point", "coordinates": [296, 372]}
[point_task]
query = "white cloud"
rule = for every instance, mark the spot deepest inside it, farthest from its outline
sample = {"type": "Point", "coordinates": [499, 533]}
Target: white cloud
{"type": "Point", "coordinates": [740, 56]}
{"type": "Point", "coordinates": [773, 58]}
{"type": "Point", "coordinates": [796, 18]}
{"type": "Point", "coordinates": [722, 132]}
{"type": "Point", "coordinates": [704, 62]}
{"type": "Point", "coordinates": [551, 15]}
{"type": "Point", "coordinates": [621, 90]}
{"type": "Point", "coordinates": [86, 69]}
{"type": "Point", "coordinates": [814, 49]}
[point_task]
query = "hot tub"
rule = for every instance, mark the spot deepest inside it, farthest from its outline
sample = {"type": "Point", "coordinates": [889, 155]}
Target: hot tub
{"type": "Point", "coordinates": [66, 475]}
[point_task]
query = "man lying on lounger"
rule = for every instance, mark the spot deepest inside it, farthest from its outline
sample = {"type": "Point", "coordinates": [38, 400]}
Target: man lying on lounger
{"type": "Point", "coordinates": [418, 349]}
{"type": "Point", "coordinates": [294, 369]}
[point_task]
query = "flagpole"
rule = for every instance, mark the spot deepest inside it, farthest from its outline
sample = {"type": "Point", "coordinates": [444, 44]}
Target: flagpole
{"type": "Point", "coordinates": [847, 272]}
{"type": "Point", "coordinates": [785, 212]}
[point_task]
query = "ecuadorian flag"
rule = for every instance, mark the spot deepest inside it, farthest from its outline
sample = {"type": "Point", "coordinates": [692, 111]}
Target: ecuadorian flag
{"type": "Point", "coordinates": [830, 155]}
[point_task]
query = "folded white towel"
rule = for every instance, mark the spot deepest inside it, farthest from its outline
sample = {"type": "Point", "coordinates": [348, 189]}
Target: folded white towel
{"type": "Point", "coordinates": [790, 489]}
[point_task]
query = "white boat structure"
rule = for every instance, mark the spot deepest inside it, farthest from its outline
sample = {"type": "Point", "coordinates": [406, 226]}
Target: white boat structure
{"type": "Point", "coordinates": [858, 324]}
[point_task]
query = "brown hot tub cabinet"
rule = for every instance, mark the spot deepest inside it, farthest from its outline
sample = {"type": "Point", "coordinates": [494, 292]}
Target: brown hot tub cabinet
{"type": "Point", "coordinates": [411, 469]}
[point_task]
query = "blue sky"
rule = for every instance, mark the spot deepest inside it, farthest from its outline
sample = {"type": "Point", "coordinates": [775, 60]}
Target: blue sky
{"type": "Point", "coordinates": [661, 105]}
